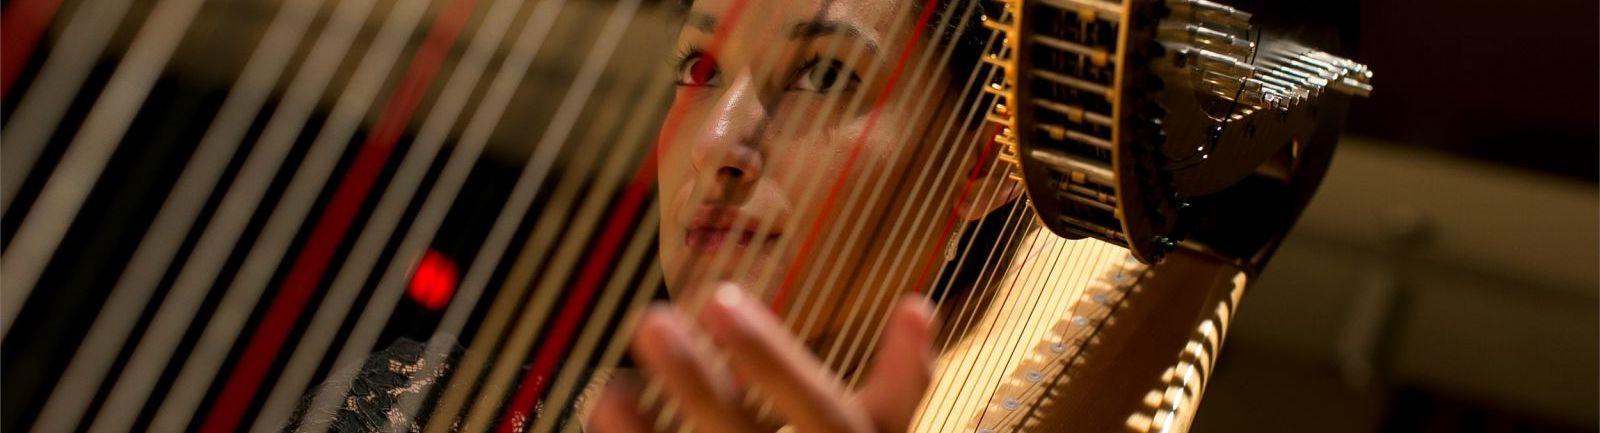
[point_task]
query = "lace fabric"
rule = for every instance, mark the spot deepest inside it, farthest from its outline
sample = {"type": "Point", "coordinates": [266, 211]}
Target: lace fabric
{"type": "Point", "coordinates": [383, 380]}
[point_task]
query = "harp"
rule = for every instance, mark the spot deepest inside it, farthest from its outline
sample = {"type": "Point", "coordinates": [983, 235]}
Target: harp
{"type": "Point", "coordinates": [216, 213]}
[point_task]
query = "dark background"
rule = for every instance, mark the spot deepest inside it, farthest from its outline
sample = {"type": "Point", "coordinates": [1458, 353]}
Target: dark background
{"type": "Point", "coordinates": [1511, 84]}
{"type": "Point", "coordinates": [1450, 254]}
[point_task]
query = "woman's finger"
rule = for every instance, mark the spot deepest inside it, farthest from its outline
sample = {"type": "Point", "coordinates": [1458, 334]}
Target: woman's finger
{"type": "Point", "coordinates": [666, 347]}
{"type": "Point", "coordinates": [902, 368]}
{"type": "Point", "coordinates": [765, 355]}
{"type": "Point", "coordinates": [618, 410]}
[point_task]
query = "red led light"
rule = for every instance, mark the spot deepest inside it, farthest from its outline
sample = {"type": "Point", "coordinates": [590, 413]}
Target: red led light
{"type": "Point", "coordinates": [434, 282]}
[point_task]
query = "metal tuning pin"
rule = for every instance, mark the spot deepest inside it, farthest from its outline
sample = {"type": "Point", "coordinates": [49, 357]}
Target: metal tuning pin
{"type": "Point", "coordinates": [1210, 12]}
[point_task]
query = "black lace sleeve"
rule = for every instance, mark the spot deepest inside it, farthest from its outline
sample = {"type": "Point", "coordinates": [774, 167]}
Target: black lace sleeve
{"type": "Point", "coordinates": [377, 387]}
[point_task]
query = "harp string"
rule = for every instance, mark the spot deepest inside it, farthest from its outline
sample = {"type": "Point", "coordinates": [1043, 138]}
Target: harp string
{"type": "Point", "coordinates": [921, 63]}
{"type": "Point", "coordinates": [901, 262]}
{"type": "Point", "coordinates": [764, 67]}
{"type": "Point", "coordinates": [764, 71]}
{"type": "Point", "coordinates": [1005, 237]}
{"type": "Point", "coordinates": [377, 233]}
{"type": "Point", "coordinates": [549, 352]}
{"type": "Point", "coordinates": [986, 289]}
{"type": "Point", "coordinates": [564, 386]}
{"type": "Point", "coordinates": [608, 296]}
{"type": "Point", "coordinates": [1012, 231]}
{"type": "Point", "coordinates": [668, 131]}
{"type": "Point", "coordinates": [993, 350]}
{"type": "Point", "coordinates": [1028, 392]}
{"type": "Point", "coordinates": [535, 173]}
{"type": "Point", "coordinates": [69, 185]}
{"type": "Point", "coordinates": [877, 182]}
{"type": "Point", "coordinates": [305, 275]}
{"type": "Point", "coordinates": [1076, 258]}
{"type": "Point", "coordinates": [1004, 305]}
{"type": "Point", "coordinates": [874, 337]}
{"type": "Point", "coordinates": [134, 386]}
{"type": "Point", "coordinates": [613, 352]}
{"type": "Point", "coordinates": [21, 26]}
{"type": "Point", "coordinates": [800, 128]}
{"type": "Point", "coordinates": [928, 294]}
{"type": "Point", "coordinates": [474, 138]}
{"type": "Point", "coordinates": [863, 353]}
{"type": "Point", "coordinates": [110, 329]}
{"type": "Point", "coordinates": [810, 192]}
{"type": "Point", "coordinates": [205, 262]}
{"type": "Point", "coordinates": [869, 74]}
{"type": "Point", "coordinates": [517, 282]}
{"type": "Point", "coordinates": [544, 293]}
{"type": "Point", "coordinates": [835, 351]}
{"type": "Point", "coordinates": [1058, 364]}
{"type": "Point", "coordinates": [831, 199]}
{"type": "Point", "coordinates": [764, 227]}
{"type": "Point", "coordinates": [1067, 300]}
{"type": "Point", "coordinates": [1015, 348]}
{"type": "Point", "coordinates": [46, 100]}
{"type": "Point", "coordinates": [1020, 223]}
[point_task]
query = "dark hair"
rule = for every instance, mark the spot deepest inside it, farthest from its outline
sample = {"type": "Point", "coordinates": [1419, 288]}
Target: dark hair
{"type": "Point", "coordinates": [969, 42]}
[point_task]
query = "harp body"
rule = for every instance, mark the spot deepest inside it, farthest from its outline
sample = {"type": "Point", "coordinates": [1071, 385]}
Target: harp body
{"type": "Point", "coordinates": [1164, 148]}
{"type": "Point", "coordinates": [1175, 129]}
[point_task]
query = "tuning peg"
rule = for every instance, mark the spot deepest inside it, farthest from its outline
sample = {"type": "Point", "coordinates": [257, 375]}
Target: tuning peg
{"type": "Point", "coordinates": [1211, 12]}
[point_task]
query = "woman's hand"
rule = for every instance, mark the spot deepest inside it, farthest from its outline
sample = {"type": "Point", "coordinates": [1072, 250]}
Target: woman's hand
{"type": "Point", "coordinates": [764, 356]}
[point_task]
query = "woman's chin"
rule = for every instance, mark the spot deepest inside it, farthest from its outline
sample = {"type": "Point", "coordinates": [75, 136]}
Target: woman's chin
{"type": "Point", "coordinates": [714, 269]}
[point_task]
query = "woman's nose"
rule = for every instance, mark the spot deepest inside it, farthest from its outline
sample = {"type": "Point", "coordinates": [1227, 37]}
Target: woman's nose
{"type": "Point", "coordinates": [729, 154]}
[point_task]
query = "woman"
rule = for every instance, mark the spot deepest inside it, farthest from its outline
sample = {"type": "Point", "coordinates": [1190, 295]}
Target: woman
{"type": "Point", "coordinates": [740, 200]}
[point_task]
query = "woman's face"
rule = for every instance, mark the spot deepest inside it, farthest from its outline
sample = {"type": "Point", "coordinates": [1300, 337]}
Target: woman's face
{"type": "Point", "coordinates": [760, 132]}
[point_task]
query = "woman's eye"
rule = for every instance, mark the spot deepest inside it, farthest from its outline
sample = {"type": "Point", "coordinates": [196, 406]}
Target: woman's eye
{"type": "Point", "coordinates": [826, 76]}
{"type": "Point", "coordinates": [697, 69]}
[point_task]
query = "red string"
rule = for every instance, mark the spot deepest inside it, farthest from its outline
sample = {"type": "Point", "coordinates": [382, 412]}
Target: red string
{"type": "Point", "coordinates": [955, 214]}
{"type": "Point", "coordinates": [355, 185]}
{"type": "Point", "coordinates": [21, 24]}
{"type": "Point", "coordinates": [621, 221]}
{"type": "Point", "coordinates": [832, 198]}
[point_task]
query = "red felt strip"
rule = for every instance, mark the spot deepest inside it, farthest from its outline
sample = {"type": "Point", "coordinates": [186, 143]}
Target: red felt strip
{"type": "Point", "coordinates": [618, 224]}
{"type": "Point", "coordinates": [22, 23]}
{"type": "Point", "coordinates": [955, 214]}
{"type": "Point", "coordinates": [831, 200]}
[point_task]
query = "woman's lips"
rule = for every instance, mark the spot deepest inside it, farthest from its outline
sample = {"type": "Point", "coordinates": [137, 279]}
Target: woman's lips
{"type": "Point", "coordinates": [709, 240]}
{"type": "Point", "coordinates": [712, 229]}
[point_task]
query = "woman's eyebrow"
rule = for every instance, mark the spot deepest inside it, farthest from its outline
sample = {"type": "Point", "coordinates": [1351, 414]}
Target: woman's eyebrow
{"type": "Point", "coordinates": [702, 21]}
{"type": "Point", "coordinates": [819, 28]}
{"type": "Point", "coordinates": [805, 30]}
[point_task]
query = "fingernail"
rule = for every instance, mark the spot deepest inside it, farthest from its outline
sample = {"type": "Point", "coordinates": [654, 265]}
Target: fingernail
{"type": "Point", "coordinates": [729, 296]}
{"type": "Point", "coordinates": [920, 306]}
{"type": "Point", "coordinates": [726, 312]}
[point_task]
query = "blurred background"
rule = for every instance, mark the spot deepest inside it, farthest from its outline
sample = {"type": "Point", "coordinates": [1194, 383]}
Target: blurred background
{"type": "Point", "coordinates": [1444, 280]}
